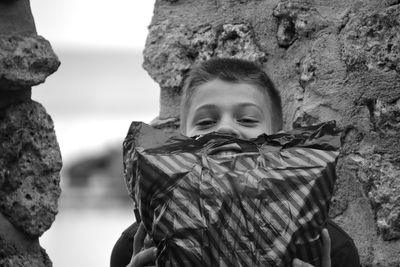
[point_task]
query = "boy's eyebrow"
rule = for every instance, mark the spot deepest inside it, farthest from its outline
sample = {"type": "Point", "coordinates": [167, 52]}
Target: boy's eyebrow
{"type": "Point", "coordinates": [249, 104]}
{"type": "Point", "coordinates": [268, 107]}
{"type": "Point", "coordinates": [206, 107]}
{"type": "Point", "coordinates": [214, 107]}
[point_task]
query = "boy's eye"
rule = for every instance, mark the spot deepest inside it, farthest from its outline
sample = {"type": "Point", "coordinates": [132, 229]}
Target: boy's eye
{"type": "Point", "coordinates": [205, 122]}
{"type": "Point", "coordinates": [248, 121]}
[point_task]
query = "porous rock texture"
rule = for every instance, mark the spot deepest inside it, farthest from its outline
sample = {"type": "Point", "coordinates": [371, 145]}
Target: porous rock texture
{"type": "Point", "coordinates": [25, 61]}
{"type": "Point", "coordinates": [30, 159]}
{"type": "Point", "coordinates": [330, 60]}
{"type": "Point", "coordinates": [29, 168]}
{"type": "Point", "coordinates": [19, 250]}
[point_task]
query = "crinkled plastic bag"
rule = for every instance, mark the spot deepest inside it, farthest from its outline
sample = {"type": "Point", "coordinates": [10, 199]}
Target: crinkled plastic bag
{"type": "Point", "coordinates": [263, 206]}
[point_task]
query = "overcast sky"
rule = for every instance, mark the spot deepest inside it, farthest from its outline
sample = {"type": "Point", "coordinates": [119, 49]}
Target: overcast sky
{"type": "Point", "coordinates": [93, 23]}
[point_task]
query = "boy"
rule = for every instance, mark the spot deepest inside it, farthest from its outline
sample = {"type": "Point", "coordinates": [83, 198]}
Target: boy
{"type": "Point", "coordinates": [234, 97]}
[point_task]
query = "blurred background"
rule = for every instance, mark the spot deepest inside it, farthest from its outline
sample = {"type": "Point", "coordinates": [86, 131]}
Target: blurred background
{"type": "Point", "coordinates": [98, 90]}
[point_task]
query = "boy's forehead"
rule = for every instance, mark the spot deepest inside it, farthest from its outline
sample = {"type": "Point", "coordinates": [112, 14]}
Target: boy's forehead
{"type": "Point", "coordinates": [218, 92]}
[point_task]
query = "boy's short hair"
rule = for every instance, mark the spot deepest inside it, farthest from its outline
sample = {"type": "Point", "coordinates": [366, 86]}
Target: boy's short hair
{"type": "Point", "coordinates": [230, 70]}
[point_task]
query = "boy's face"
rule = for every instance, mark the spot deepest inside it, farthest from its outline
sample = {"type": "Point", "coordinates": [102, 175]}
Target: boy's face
{"type": "Point", "coordinates": [239, 109]}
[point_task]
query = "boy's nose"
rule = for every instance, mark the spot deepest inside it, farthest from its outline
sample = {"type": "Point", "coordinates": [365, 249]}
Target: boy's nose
{"type": "Point", "coordinates": [228, 129]}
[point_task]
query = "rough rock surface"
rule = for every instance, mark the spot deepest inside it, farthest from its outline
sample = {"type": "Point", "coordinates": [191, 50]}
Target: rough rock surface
{"type": "Point", "coordinates": [30, 162]}
{"type": "Point", "coordinates": [16, 249]}
{"type": "Point", "coordinates": [25, 61]}
{"type": "Point", "coordinates": [372, 40]}
{"type": "Point", "coordinates": [16, 17]}
{"type": "Point", "coordinates": [330, 60]}
{"type": "Point", "coordinates": [10, 97]}
{"type": "Point", "coordinates": [297, 19]}
{"type": "Point", "coordinates": [30, 158]}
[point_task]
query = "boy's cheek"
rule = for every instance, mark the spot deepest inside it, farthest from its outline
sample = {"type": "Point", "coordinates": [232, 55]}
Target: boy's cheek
{"type": "Point", "coordinates": [191, 132]}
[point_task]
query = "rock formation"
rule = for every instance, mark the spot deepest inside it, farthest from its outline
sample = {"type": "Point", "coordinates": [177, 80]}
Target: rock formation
{"type": "Point", "coordinates": [30, 159]}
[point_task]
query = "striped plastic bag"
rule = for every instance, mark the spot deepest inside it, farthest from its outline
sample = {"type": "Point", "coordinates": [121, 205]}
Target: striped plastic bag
{"type": "Point", "coordinates": [262, 206]}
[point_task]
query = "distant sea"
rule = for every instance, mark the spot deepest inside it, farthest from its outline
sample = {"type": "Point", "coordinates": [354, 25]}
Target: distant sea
{"type": "Point", "coordinates": [92, 99]}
